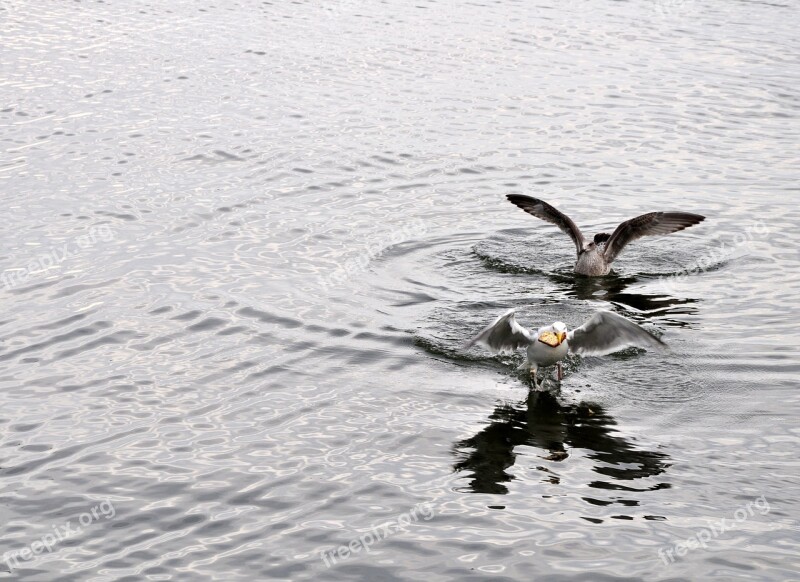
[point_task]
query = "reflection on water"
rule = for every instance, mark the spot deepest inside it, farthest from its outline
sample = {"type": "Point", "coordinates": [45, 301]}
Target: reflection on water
{"type": "Point", "coordinates": [612, 288]}
{"type": "Point", "coordinates": [543, 423]}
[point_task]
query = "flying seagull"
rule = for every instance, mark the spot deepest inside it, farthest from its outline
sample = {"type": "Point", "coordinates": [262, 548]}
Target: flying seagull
{"type": "Point", "coordinates": [602, 334]}
{"type": "Point", "coordinates": [595, 256]}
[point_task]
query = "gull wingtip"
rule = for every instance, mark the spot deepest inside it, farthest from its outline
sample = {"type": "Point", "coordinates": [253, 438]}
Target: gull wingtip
{"type": "Point", "coordinates": [660, 344]}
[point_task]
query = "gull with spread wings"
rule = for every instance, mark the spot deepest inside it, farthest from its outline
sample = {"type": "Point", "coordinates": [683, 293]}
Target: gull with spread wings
{"type": "Point", "coordinates": [604, 333]}
{"type": "Point", "coordinates": [595, 256]}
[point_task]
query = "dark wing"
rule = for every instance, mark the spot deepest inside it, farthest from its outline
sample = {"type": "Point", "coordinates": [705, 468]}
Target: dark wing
{"type": "Point", "coordinates": [653, 223]}
{"type": "Point", "coordinates": [607, 332]}
{"type": "Point", "coordinates": [504, 335]}
{"type": "Point", "coordinates": [541, 209]}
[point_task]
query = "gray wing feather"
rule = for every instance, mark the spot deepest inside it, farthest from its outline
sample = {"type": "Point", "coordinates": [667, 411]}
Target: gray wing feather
{"type": "Point", "coordinates": [653, 223]}
{"type": "Point", "coordinates": [541, 209]}
{"type": "Point", "coordinates": [503, 335]}
{"type": "Point", "coordinates": [607, 332]}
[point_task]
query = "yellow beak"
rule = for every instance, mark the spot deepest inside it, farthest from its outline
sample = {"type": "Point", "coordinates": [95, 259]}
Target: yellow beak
{"type": "Point", "coordinates": [561, 337]}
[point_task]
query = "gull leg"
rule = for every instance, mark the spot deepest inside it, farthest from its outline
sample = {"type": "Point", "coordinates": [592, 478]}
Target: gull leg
{"type": "Point", "coordinates": [533, 377]}
{"type": "Point", "coordinates": [560, 372]}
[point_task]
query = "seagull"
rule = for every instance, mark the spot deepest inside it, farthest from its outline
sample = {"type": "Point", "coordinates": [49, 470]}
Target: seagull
{"type": "Point", "coordinates": [595, 256]}
{"type": "Point", "coordinates": [604, 333]}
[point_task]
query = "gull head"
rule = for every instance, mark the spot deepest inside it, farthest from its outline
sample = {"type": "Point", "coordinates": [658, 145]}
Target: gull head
{"type": "Point", "coordinates": [560, 329]}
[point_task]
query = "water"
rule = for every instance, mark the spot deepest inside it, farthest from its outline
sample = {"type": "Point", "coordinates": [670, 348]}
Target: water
{"type": "Point", "coordinates": [245, 241]}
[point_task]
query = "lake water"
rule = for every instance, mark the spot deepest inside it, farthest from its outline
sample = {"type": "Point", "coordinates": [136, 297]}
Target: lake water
{"type": "Point", "coordinates": [244, 243]}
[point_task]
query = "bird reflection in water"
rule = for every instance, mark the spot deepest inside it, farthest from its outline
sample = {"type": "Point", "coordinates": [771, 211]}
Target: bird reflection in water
{"type": "Point", "coordinates": [612, 288]}
{"type": "Point", "coordinates": [542, 422]}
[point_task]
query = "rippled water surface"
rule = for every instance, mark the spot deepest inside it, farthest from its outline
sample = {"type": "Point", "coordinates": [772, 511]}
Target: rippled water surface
{"type": "Point", "coordinates": [245, 242]}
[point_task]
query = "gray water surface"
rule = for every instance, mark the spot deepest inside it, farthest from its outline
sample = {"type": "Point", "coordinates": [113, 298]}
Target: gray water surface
{"type": "Point", "coordinates": [245, 241]}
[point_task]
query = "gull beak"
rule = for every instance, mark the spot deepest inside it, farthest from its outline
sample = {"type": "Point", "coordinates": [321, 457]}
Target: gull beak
{"type": "Point", "coordinates": [561, 337]}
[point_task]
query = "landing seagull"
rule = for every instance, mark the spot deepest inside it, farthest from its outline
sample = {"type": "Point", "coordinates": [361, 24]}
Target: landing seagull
{"type": "Point", "coordinates": [595, 256]}
{"type": "Point", "coordinates": [602, 334]}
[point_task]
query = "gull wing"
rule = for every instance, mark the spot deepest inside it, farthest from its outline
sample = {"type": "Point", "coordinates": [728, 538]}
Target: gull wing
{"type": "Point", "coordinates": [541, 209]}
{"type": "Point", "coordinates": [607, 332]}
{"type": "Point", "coordinates": [653, 223]}
{"type": "Point", "coordinates": [503, 335]}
